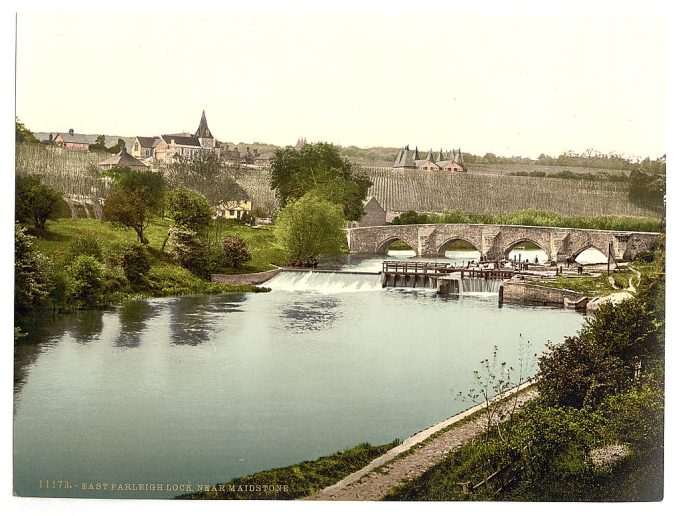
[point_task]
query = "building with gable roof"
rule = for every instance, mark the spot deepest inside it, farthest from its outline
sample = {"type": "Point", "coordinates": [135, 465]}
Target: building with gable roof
{"type": "Point", "coordinates": [122, 159]}
{"type": "Point", "coordinates": [451, 162]}
{"type": "Point", "coordinates": [169, 147]}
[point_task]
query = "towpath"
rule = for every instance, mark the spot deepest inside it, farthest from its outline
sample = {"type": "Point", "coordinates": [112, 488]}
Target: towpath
{"type": "Point", "coordinates": [374, 481]}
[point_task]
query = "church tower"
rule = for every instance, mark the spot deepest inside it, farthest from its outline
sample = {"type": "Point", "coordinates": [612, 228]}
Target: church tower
{"type": "Point", "coordinates": [204, 135]}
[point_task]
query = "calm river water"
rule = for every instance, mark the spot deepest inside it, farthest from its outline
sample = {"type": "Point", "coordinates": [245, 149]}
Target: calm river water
{"type": "Point", "coordinates": [201, 389]}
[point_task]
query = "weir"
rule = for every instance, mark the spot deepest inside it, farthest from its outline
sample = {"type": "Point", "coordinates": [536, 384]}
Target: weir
{"type": "Point", "coordinates": [325, 282]}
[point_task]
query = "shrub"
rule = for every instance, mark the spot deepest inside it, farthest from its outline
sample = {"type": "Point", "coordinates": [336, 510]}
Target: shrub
{"type": "Point", "coordinates": [236, 251]}
{"type": "Point", "coordinates": [86, 245]}
{"type": "Point", "coordinates": [578, 373]}
{"type": "Point", "coordinates": [31, 281]}
{"type": "Point", "coordinates": [136, 263]}
{"type": "Point", "coordinates": [115, 280]}
{"type": "Point", "coordinates": [86, 282]}
{"type": "Point", "coordinates": [188, 250]}
{"type": "Point", "coordinates": [35, 201]}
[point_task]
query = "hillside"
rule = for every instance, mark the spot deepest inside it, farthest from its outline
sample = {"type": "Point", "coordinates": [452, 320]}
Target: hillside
{"type": "Point", "coordinates": [396, 190]}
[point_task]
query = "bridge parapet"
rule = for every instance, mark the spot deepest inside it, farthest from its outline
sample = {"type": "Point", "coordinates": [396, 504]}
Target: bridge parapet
{"type": "Point", "coordinates": [495, 241]}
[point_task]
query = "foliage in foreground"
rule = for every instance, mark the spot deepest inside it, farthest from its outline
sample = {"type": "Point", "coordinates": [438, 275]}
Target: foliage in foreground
{"type": "Point", "coordinates": [600, 390]}
{"type": "Point", "coordinates": [302, 479]}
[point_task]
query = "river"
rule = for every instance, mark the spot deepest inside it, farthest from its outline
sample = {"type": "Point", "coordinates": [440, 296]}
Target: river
{"type": "Point", "coordinates": [201, 389]}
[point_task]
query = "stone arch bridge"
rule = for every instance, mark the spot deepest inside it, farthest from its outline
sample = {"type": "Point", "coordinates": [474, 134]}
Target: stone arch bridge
{"type": "Point", "coordinates": [494, 242]}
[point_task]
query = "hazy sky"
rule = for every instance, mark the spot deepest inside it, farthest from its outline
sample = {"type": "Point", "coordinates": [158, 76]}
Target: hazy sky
{"type": "Point", "coordinates": [508, 85]}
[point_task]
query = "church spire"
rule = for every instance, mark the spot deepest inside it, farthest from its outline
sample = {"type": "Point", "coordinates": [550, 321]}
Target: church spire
{"type": "Point", "coordinates": [203, 131]}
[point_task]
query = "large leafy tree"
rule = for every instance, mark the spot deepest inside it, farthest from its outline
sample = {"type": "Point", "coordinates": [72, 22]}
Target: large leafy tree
{"type": "Point", "coordinates": [321, 168]}
{"type": "Point", "coordinates": [35, 201]}
{"type": "Point", "coordinates": [136, 198]}
{"type": "Point", "coordinates": [311, 226]}
{"type": "Point", "coordinates": [189, 209]}
{"type": "Point", "coordinates": [205, 174]}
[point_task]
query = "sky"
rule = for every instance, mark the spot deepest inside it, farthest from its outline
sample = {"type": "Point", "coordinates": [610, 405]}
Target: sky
{"type": "Point", "coordinates": [511, 85]}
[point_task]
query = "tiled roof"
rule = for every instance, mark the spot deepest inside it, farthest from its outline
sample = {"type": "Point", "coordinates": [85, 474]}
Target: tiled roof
{"type": "Point", "coordinates": [147, 141]}
{"type": "Point", "coordinates": [187, 141]}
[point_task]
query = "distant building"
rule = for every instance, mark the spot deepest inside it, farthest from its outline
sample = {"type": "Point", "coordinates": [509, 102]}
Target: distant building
{"type": "Point", "coordinates": [122, 159]}
{"type": "Point", "coordinates": [300, 143]}
{"type": "Point", "coordinates": [265, 159]}
{"type": "Point", "coordinates": [72, 141]}
{"type": "Point", "coordinates": [452, 161]}
{"type": "Point", "coordinates": [374, 215]}
{"type": "Point", "coordinates": [143, 146]}
{"type": "Point", "coordinates": [170, 147]}
{"type": "Point", "coordinates": [236, 208]}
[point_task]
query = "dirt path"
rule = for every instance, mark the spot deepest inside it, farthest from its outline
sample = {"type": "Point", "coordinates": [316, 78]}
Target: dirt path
{"type": "Point", "coordinates": [375, 480]}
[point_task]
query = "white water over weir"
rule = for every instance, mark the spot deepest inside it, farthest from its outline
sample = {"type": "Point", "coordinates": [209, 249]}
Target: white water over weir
{"type": "Point", "coordinates": [335, 282]}
{"type": "Point", "coordinates": [326, 282]}
{"type": "Point", "coordinates": [475, 286]}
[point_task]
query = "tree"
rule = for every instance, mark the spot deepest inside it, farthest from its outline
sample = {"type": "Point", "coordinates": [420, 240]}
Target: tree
{"type": "Point", "coordinates": [236, 251]}
{"type": "Point", "coordinates": [205, 174]}
{"type": "Point", "coordinates": [321, 168]}
{"type": "Point", "coordinates": [189, 209]}
{"type": "Point", "coordinates": [35, 201]}
{"type": "Point", "coordinates": [137, 196]}
{"type": "Point", "coordinates": [31, 283]}
{"type": "Point", "coordinates": [136, 263]}
{"type": "Point", "coordinates": [117, 147]}
{"type": "Point", "coordinates": [99, 144]}
{"type": "Point", "coordinates": [311, 226]}
{"type": "Point", "coordinates": [23, 134]}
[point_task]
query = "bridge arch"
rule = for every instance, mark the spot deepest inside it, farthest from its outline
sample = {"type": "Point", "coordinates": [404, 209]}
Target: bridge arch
{"type": "Point", "coordinates": [383, 247]}
{"type": "Point", "coordinates": [443, 248]}
{"type": "Point", "coordinates": [509, 247]}
{"type": "Point", "coordinates": [576, 253]}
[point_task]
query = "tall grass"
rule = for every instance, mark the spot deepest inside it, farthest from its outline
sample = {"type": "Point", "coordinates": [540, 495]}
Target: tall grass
{"type": "Point", "coordinates": [541, 218]}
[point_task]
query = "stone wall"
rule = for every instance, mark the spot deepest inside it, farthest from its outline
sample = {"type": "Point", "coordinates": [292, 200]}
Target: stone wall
{"type": "Point", "coordinates": [254, 278]}
{"type": "Point", "coordinates": [495, 241]}
{"type": "Point", "coordinates": [518, 291]}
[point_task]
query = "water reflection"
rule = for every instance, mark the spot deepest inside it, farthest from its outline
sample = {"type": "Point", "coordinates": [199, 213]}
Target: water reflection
{"type": "Point", "coordinates": [134, 317]}
{"type": "Point", "coordinates": [86, 325]}
{"type": "Point", "coordinates": [194, 319]}
{"type": "Point", "coordinates": [313, 315]}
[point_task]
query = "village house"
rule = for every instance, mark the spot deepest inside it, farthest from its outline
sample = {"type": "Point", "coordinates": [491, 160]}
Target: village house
{"type": "Point", "coordinates": [72, 141]}
{"type": "Point", "coordinates": [265, 159]}
{"type": "Point", "coordinates": [451, 162]}
{"type": "Point", "coordinates": [143, 146]}
{"type": "Point", "coordinates": [122, 159]}
{"type": "Point", "coordinates": [238, 207]}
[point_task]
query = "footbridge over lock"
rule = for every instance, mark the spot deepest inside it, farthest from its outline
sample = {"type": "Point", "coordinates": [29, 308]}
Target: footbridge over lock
{"type": "Point", "coordinates": [495, 242]}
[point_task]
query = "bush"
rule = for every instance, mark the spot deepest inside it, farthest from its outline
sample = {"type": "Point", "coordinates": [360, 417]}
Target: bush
{"type": "Point", "coordinates": [578, 373]}
{"type": "Point", "coordinates": [236, 251]}
{"type": "Point", "coordinates": [135, 263]}
{"type": "Point", "coordinates": [86, 245]}
{"type": "Point", "coordinates": [115, 280]}
{"type": "Point", "coordinates": [188, 250]}
{"type": "Point", "coordinates": [31, 281]}
{"type": "Point", "coordinates": [35, 201]}
{"type": "Point", "coordinates": [86, 282]}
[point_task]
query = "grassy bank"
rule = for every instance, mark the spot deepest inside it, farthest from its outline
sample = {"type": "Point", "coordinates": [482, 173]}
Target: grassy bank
{"type": "Point", "coordinates": [300, 480]}
{"type": "Point", "coordinates": [165, 277]}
